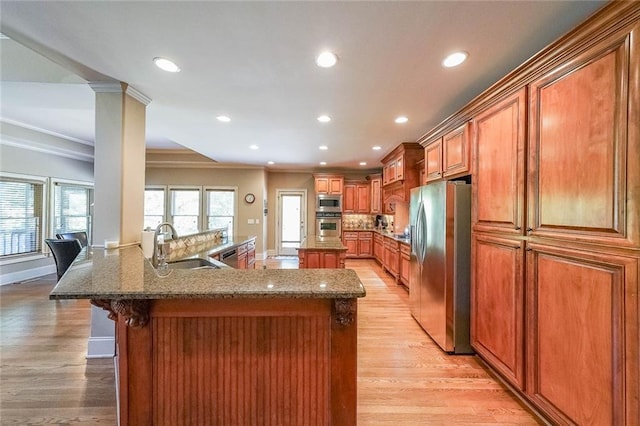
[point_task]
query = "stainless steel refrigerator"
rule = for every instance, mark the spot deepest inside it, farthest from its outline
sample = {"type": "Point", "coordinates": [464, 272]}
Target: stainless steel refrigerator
{"type": "Point", "coordinates": [440, 226]}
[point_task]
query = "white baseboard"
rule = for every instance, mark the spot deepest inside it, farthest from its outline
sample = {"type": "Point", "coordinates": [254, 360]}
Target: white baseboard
{"type": "Point", "coordinates": [272, 252]}
{"type": "Point", "coordinates": [101, 347]}
{"type": "Point", "coordinates": [27, 274]}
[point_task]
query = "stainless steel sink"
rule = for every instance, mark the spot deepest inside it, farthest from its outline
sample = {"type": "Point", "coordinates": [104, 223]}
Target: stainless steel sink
{"type": "Point", "coordinates": [192, 264]}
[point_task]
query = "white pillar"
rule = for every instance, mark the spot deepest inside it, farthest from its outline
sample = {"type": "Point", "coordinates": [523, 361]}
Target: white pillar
{"type": "Point", "coordinates": [119, 175]}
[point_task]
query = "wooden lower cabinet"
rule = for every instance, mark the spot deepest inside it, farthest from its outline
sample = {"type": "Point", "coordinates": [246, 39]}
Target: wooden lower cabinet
{"type": "Point", "coordinates": [391, 257]}
{"type": "Point", "coordinates": [583, 344]}
{"type": "Point", "coordinates": [378, 247]}
{"type": "Point", "coordinates": [405, 263]}
{"type": "Point", "coordinates": [350, 241]}
{"type": "Point", "coordinates": [497, 305]}
{"type": "Point", "coordinates": [251, 254]}
{"type": "Point", "coordinates": [358, 243]}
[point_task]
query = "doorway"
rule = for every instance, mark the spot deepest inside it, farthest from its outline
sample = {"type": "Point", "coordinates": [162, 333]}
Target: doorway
{"type": "Point", "coordinates": [291, 224]}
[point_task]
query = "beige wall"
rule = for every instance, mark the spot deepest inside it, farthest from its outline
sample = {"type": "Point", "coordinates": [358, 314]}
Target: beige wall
{"type": "Point", "coordinates": [245, 179]}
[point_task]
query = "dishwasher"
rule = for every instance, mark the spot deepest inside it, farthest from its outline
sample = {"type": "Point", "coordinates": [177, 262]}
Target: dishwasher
{"type": "Point", "coordinates": [230, 258]}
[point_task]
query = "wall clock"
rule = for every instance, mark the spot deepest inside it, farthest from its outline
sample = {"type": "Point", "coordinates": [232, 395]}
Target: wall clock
{"type": "Point", "coordinates": [249, 198]}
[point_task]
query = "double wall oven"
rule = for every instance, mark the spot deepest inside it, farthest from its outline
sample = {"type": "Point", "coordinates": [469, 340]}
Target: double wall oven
{"type": "Point", "coordinates": [329, 224]}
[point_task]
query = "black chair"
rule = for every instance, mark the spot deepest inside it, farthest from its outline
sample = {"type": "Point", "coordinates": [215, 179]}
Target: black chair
{"type": "Point", "coordinates": [64, 252]}
{"type": "Point", "coordinates": [80, 236]}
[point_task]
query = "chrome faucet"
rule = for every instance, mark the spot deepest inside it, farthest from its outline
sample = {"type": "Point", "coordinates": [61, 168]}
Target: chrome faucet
{"type": "Point", "coordinates": [160, 249]}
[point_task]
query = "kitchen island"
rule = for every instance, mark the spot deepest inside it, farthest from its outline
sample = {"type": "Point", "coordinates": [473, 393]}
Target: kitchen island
{"type": "Point", "coordinates": [321, 252]}
{"type": "Point", "coordinates": [225, 346]}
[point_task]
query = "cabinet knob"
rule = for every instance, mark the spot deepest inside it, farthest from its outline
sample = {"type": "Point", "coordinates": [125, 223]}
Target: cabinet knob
{"type": "Point", "coordinates": [517, 228]}
{"type": "Point", "coordinates": [529, 229]}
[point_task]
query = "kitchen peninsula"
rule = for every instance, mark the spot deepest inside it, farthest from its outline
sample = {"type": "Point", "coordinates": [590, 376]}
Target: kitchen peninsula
{"type": "Point", "coordinates": [225, 346]}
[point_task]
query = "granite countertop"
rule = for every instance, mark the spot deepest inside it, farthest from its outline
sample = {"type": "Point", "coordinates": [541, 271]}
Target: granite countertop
{"type": "Point", "coordinates": [398, 237]}
{"type": "Point", "coordinates": [125, 273]}
{"type": "Point", "coordinates": [227, 244]}
{"type": "Point", "coordinates": [322, 243]}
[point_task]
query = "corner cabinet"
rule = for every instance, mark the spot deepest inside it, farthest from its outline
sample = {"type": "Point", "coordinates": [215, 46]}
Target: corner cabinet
{"type": "Point", "coordinates": [399, 174]}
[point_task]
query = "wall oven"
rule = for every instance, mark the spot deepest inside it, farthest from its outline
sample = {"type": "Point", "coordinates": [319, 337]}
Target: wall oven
{"type": "Point", "coordinates": [329, 203]}
{"type": "Point", "coordinates": [329, 224]}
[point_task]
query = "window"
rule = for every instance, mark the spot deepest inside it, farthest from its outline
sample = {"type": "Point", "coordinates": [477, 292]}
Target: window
{"type": "Point", "coordinates": [220, 209]}
{"type": "Point", "coordinates": [154, 207]}
{"type": "Point", "coordinates": [21, 213]}
{"type": "Point", "coordinates": [191, 209]}
{"type": "Point", "coordinates": [72, 208]}
{"type": "Point", "coordinates": [185, 210]}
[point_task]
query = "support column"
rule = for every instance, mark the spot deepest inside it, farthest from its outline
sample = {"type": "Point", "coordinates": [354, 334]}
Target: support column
{"type": "Point", "coordinates": [119, 176]}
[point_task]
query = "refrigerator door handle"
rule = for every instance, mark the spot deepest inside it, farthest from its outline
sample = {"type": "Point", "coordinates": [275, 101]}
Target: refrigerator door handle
{"type": "Point", "coordinates": [421, 229]}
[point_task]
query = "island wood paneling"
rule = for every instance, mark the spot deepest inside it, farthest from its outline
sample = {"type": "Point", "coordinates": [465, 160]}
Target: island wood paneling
{"type": "Point", "coordinates": [239, 361]}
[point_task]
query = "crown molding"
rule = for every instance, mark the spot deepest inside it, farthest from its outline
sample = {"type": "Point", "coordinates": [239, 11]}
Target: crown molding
{"type": "Point", "coordinates": [137, 95]}
{"type": "Point", "coordinates": [46, 132]}
{"type": "Point", "coordinates": [107, 86]}
{"type": "Point", "coordinates": [45, 148]}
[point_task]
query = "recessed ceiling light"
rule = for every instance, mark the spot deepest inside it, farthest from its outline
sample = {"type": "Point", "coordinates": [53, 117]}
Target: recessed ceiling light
{"type": "Point", "coordinates": [270, 162]}
{"type": "Point", "coordinates": [254, 147]}
{"type": "Point", "coordinates": [363, 163]}
{"type": "Point", "coordinates": [223, 118]}
{"type": "Point", "coordinates": [166, 64]}
{"type": "Point", "coordinates": [402, 119]}
{"type": "Point", "coordinates": [323, 163]}
{"type": "Point", "coordinates": [376, 148]}
{"type": "Point", "coordinates": [326, 59]}
{"type": "Point", "coordinates": [454, 59]}
{"type": "Point", "coordinates": [323, 147]}
{"type": "Point", "coordinates": [324, 119]}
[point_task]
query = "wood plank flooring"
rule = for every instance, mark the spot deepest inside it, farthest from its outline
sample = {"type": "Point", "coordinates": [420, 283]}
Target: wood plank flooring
{"type": "Point", "coordinates": [403, 377]}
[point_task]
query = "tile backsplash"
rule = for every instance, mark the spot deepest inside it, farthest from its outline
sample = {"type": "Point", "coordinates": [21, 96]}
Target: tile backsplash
{"type": "Point", "coordinates": [363, 221]}
{"type": "Point", "coordinates": [189, 244]}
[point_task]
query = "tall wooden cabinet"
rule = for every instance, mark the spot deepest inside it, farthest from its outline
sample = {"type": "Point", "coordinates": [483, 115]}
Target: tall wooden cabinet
{"type": "Point", "coordinates": [555, 160]}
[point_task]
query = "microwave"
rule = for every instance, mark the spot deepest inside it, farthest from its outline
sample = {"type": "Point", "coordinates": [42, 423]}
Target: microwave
{"type": "Point", "coordinates": [328, 203]}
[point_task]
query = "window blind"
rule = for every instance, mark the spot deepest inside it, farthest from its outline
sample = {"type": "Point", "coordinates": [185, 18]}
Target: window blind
{"type": "Point", "coordinates": [20, 216]}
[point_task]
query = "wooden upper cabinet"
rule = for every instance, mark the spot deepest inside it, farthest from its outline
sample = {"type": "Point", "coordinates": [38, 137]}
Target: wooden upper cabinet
{"type": "Point", "coordinates": [376, 193]}
{"type": "Point", "coordinates": [356, 197]}
{"type": "Point", "coordinates": [585, 145]}
{"type": "Point", "coordinates": [449, 156]}
{"type": "Point", "coordinates": [456, 153]}
{"type": "Point", "coordinates": [498, 166]}
{"type": "Point", "coordinates": [433, 161]}
{"type": "Point", "coordinates": [328, 184]}
{"type": "Point", "coordinates": [399, 164]}
{"type": "Point", "coordinates": [582, 316]}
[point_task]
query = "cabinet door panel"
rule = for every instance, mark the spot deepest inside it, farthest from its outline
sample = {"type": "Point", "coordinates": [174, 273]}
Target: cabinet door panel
{"type": "Point", "coordinates": [579, 147]}
{"type": "Point", "coordinates": [497, 305]}
{"type": "Point", "coordinates": [433, 161]}
{"type": "Point", "coordinates": [498, 166]}
{"type": "Point", "coordinates": [455, 152]}
{"type": "Point", "coordinates": [349, 199]}
{"type": "Point", "coordinates": [376, 195]}
{"type": "Point", "coordinates": [578, 335]}
{"type": "Point", "coordinates": [362, 196]}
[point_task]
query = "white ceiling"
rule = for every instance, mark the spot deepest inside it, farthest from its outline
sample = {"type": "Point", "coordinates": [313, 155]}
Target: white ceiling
{"type": "Point", "coordinates": [255, 62]}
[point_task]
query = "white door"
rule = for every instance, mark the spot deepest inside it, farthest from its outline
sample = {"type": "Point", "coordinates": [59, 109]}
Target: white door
{"type": "Point", "coordinates": [291, 220]}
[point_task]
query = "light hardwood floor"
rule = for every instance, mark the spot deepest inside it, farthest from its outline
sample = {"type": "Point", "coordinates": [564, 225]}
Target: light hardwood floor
{"type": "Point", "coordinates": [403, 377]}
